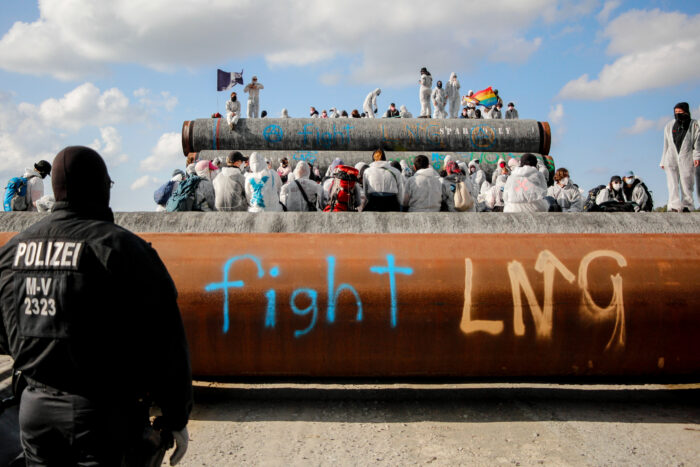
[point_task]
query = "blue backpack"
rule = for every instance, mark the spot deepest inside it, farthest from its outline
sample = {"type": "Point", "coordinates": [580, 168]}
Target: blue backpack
{"type": "Point", "coordinates": [182, 199]}
{"type": "Point", "coordinates": [162, 194]}
{"type": "Point", "coordinates": [16, 195]}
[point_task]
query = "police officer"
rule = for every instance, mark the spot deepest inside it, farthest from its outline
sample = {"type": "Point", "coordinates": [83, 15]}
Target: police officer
{"type": "Point", "coordinates": [89, 314]}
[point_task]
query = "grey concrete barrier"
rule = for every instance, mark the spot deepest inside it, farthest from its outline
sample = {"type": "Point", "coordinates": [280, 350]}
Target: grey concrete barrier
{"type": "Point", "coordinates": [392, 223]}
{"type": "Point", "coordinates": [355, 134]}
{"type": "Point", "coordinates": [323, 159]}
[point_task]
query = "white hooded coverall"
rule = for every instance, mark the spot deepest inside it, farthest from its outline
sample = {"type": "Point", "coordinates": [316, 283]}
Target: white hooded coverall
{"type": "Point", "coordinates": [262, 186]}
{"type": "Point", "coordinates": [426, 82]}
{"type": "Point", "coordinates": [525, 190]}
{"type": "Point", "coordinates": [425, 193]}
{"type": "Point", "coordinates": [290, 195]}
{"type": "Point", "coordinates": [404, 113]}
{"type": "Point", "coordinates": [439, 97]}
{"type": "Point", "coordinates": [679, 165]}
{"type": "Point", "coordinates": [253, 90]}
{"type": "Point", "coordinates": [233, 111]}
{"type": "Point", "coordinates": [229, 190]}
{"type": "Point", "coordinates": [370, 104]}
{"type": "Point", "coordinates": [452, 88]}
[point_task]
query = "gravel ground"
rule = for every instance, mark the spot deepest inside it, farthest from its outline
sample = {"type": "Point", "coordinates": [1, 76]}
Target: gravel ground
{"type": "Point", "coordinates": [448, 424]}
{"type": "Point", "coordinates": [440, 424]}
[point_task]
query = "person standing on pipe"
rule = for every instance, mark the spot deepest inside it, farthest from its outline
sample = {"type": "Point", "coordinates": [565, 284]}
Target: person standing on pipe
{"type": "Point", "coordinates": [89, 314]}
{"type": "Point", "coordinates": [453, 98]}
{"type": "Point", "coordinates": [370, 104]}
{"type": "Point", "coordinates": [253, 89]}
{"type": "Point", "coordinates": [426, 82]}
{"type": "Point", "coordinates": [681, 157]}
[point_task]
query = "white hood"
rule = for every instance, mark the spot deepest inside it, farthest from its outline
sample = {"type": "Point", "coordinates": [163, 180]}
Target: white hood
{"type": "Point", "coordinates": [257, 162]}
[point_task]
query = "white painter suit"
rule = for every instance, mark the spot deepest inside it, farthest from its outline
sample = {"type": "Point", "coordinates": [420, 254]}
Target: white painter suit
{"type": "Point", "coordinates": [284, 114]}
{"type": "Point", "coordinates": [525, 190]}
{"type": "Point", "coordinates": [478, 177]}
{"type": "Point", "coordinates": [334, 113]}
{"type": "Point", "coordinates": [452, 88]}
{"type": "Point", "coordinates": [439, 97]}
{"type": "Point", "coordinates": [568, 197]}
{"type": "Point", "coordinates": [426, 82]}
{"type": "Point", "coordinates": [253, 90]}
{"type": "Point", "coordinates": [679, 165]}
{"type": "Point", "coordinates": [370, 105]}
{"type": "Point", "coordinates": [262, 186]}
{"type": "Point", "coordinates": [233, 112]}
{"type": "Point", "coordinates": [404, 113]}
{"type": "Point", "coordinates": [35, 187]}
{"type": "Point", "coordinates": [229, 190]}
{"type": "Point", "coordinates": [424, 192]}
{"type": "Point", "coordinates": [291, 195]}
{"type": "Point", "coordinates": [494, 196]}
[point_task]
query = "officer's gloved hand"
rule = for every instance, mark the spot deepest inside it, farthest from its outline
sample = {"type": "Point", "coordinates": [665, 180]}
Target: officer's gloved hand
{"type": "Point", "coordinates": [181, 439]}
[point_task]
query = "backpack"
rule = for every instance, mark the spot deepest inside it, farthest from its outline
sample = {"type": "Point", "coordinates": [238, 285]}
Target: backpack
{"type": "Point", "coordinates": [162, 194]}
{"type": "Point", "coordinates": [182, 199]}
{"type": "Point", "coordinates": [342, 196]}
{"type": "Point", "coordinates": [617, 206]}
{"type": "Point", "coordinates": [649, 205]}
{"type": "Point", "coordinates": [590, 204]}
{"type": "Point", "coordinates": [462, 198]}
{"type": "Point", "coordinates": [16, 194]}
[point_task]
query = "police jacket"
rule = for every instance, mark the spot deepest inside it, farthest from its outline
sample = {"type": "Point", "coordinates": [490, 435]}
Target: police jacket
{"type": "Point", "coordinates": [88, 308]}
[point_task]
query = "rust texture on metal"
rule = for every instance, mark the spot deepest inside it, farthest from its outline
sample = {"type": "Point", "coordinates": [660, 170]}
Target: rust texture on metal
{"type": "Point", "coordinates": [440, 305]}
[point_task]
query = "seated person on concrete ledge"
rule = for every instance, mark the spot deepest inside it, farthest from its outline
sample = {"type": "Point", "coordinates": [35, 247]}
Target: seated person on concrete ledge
{"type": "Point", "coordinates": [566, 194]}
{"type": "Point", "coordinates": [526, 188]}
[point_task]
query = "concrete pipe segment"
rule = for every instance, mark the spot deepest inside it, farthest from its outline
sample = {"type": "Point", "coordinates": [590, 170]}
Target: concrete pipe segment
{"type": "Point", "coordinates": [359, 134]}
{"type": "Point", "coordinates": [396, 295]}
{"type": "Point", "coordinates": [322, 159]}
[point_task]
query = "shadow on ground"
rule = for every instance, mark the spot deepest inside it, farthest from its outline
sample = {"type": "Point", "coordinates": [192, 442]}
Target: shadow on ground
{"type": "Point", "coordinates": [406, 405]}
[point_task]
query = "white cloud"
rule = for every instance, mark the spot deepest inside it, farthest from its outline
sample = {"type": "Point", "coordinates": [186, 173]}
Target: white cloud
{"type": "Point", "coordinates": [382, 41]}
{"type": "Point", "coordinates": [165, 100]}
{"type": "Point", "coordinates": [110, 146]}
{"type": "Point", "coordinates": [642, 125]}
{"type": "Point", "coordinates": [607, 10]}
{"type": "Point", "coordinates": [653, 54]}
{"type": "Point", "coordinates": [167, 153]}
{"type": "Point", "coordinates": [556, 114]}
{"type": "Point", "coordinates": [29, 132]}
{"type": "Point", "coordinates": [143, 182]}
{"type": "Point", "coordinates": [83, 106]}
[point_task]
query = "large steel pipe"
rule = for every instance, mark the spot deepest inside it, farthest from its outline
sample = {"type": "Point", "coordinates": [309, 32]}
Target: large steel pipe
{"type": "Point", "coordinates": [323, 159]}
{"type": "Point", "coordinates": [355, 134]}
{"type": "Point", "coordinates": [415, 304]}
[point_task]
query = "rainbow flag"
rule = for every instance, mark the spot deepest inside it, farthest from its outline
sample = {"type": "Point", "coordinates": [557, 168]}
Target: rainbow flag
{"type": "Point", "coordinates": [485, 97]}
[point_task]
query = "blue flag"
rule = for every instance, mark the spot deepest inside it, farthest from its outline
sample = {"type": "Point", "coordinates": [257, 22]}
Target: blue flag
{"type": "Point", "coordinates": [226, 80]}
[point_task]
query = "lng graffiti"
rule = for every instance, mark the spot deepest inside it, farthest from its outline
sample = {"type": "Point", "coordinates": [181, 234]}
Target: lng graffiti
{"type": "Point", "coordinates": [390, 275]}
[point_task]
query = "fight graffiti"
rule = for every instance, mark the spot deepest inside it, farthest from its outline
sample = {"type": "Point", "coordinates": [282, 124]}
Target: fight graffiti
{"type": "Point", "coordinates": [306, 301]}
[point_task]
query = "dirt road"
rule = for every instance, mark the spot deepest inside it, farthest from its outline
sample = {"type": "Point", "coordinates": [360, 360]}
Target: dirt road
{"type": "Point", "coordinates": [440, 424]}
{"type": "Point", "coordinates": [495, 424]}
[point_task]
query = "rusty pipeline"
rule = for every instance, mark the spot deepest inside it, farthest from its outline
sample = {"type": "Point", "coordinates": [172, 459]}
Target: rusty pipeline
{"type": "Point", "coordinates": [534, 306]}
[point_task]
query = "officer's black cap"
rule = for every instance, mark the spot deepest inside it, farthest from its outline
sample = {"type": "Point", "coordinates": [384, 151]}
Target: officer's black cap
{"type": "Point", "coordinates": [80, 178]}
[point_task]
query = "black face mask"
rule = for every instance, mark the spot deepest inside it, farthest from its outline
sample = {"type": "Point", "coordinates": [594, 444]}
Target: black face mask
{"type": "Point", "coordinates": [233, 99]}
{"type": "Point", "coordinates": [684, 117]}
{"type": "Point", "coordinates": [439, 84]}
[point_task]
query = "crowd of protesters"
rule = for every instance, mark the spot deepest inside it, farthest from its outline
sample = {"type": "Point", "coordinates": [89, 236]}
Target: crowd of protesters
{"type": "Point", "coordinates": [525, 184]}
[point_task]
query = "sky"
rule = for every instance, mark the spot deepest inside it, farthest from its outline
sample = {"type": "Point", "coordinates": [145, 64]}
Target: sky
{"type": "Point", "coordinates": [121, 76]}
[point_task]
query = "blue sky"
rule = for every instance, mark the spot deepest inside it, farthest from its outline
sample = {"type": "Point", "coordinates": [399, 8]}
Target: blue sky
{"type": "Point", "coordinates": [122, 75]}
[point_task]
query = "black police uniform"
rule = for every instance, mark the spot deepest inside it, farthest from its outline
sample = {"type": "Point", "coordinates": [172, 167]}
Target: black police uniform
{"type": "Point", "coordinates": [89, 314]}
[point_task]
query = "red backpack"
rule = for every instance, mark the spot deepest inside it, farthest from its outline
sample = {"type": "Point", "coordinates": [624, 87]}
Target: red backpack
{"type": "Point", "coordinates": [342, 193]}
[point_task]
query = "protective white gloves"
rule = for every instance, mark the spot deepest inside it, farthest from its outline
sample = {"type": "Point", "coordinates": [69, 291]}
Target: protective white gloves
{"type": "Point", "coordinates": [181, 439]}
